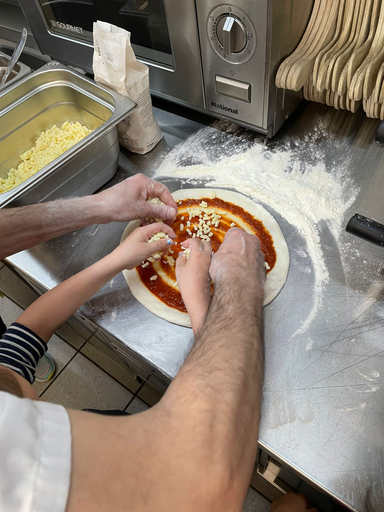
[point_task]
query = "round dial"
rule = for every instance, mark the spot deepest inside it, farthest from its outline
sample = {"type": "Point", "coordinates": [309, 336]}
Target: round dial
{"type": "Point", "coordinates": [231, 34]}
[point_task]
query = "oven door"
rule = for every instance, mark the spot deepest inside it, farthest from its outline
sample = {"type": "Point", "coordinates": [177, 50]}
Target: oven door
{"type": "Point", "coordinates": [164, 35]}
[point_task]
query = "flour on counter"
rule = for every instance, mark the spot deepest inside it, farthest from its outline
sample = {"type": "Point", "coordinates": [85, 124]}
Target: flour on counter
{"type": "Point", "coordinates": [296, 180]}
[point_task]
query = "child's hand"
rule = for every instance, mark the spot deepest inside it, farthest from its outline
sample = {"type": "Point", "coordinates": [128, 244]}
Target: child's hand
{"type": "Point", "coordinates": [194, 280]}
{"type": "Point", "coordinates": [136, 248]}
{"type": "Point", "coordinates": [292, 502]}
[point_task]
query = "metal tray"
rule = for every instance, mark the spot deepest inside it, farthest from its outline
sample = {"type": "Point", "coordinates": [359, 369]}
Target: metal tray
{"type": "Point", "coordinates": [19, 71]}
{"type": "Point", "coordinates": [52, 95]}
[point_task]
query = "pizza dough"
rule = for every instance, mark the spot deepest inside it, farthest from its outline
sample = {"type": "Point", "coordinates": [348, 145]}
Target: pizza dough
{"type": "Point", "coordinates": [275, 278]}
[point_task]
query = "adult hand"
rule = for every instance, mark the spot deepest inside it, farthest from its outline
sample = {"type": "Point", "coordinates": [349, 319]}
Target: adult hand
{"type": "Point", "coordinates": [136, 248]}
{"type": "Point", "coordinates": [292, 502]}
{"type": "Point", "coordinates": [239, 256]}
{"type": "Point", "coordinates": [193, 279]}
{"type": "Point", "coordinates": [128, 200]}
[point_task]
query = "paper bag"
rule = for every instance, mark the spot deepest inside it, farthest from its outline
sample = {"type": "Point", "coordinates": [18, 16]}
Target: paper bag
{"type": "Point", "coordinates": [115, 65]}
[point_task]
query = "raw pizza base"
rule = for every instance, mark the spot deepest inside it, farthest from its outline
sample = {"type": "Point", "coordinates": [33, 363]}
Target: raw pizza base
{"type": "Point", "coordinates": [275, 278]}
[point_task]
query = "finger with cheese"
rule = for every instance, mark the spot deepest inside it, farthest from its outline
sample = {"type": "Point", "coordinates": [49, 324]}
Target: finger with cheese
{"type": "Point", "coordinates": [157, 236]}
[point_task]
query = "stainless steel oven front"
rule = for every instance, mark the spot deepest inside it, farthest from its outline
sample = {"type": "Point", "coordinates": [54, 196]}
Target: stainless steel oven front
{"type": "Point", "coordinates": [213, 57]}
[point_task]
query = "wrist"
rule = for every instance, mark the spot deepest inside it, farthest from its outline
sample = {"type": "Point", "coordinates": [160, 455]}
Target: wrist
{"type": "Point", "coordinates": [99, 209]}
{"type": "Point", "coordinates": [244, 291]}
{"type": "Point", "coordinates": [114, 263]}
{"type": "Point", "coordinates": [196, 322]}
{"type": "Point", "coordinates": [197, 313]}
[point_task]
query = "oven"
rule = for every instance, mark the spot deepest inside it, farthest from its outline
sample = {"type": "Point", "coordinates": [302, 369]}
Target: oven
{"type": "Point", "coordinates": [216, 58]}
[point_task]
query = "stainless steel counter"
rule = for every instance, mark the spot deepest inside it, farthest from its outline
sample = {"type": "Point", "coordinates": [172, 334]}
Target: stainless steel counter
{"type": "Point", "coordinates": [323, 396]}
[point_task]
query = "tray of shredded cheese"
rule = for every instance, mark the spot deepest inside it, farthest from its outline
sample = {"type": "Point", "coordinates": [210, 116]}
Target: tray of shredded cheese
{"type": "Point", "coordinates": [58, 136]}
{"type": "Point", "coordinates": [48, 146]}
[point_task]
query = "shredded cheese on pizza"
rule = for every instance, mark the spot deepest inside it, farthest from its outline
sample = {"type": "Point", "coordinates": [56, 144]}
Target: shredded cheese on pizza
{"type": "Point", "coordinates": [207, 220]}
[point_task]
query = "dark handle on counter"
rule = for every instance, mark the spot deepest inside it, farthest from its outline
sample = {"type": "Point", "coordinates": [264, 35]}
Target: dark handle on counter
{"type": "Point", "coordinates": [380, 134]}
{"type": "Point", "coordinates": [367, 229]}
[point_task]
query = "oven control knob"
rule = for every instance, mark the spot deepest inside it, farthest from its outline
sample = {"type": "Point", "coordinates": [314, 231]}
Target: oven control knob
{"type": "Point", "coordinates": [231, 35]}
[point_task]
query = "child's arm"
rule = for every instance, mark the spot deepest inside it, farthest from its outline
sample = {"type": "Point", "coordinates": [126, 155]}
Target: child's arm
{"type": "Point", "coordinates": [53, 308]}
{"type": "Point", "coordinates": [194, 280]}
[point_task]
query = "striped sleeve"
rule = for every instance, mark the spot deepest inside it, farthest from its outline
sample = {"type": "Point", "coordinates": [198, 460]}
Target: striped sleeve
{"type": "Point", "coordinates": [21, 350]}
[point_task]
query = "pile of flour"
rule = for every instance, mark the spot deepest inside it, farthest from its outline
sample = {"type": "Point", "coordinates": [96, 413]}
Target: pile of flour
{"type": "Point", "coordinates": [296, 179]}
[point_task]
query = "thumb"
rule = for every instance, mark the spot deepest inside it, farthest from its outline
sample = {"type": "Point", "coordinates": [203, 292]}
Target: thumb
{"type": "Point", "coordinates": [164, 212]}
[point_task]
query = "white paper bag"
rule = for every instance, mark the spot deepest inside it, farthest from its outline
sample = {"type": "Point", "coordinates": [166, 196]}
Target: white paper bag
{"type": "Point", "coordinates": [115, 65]}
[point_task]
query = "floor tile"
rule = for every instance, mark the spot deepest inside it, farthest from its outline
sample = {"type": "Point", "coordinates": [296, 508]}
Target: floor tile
{"type": "Point", "coordinates": [61, 353]}
{"type": "Point", "coordinates": [106, 358]}
{"type": "Point", "coordinates": [9, 311]}
{"type": "Point", "coordinates": [82, 385]}
{"type": "Point", "coordinates": [71, 336]}
{"type": "Point", "coordinates": [136, 406]}
{"type": "Point", "coordinates": [254, 502]}
{"type": "Point", "coordinates": [149, 394]}
{"type": "Point", "coordinates": [12, 286]}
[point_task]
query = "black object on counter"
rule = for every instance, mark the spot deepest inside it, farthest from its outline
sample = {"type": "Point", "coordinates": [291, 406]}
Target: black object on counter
{"type": "Point", "coordinates": [365, 228]}
{"type": "Point", "coordinates": [379, 138]}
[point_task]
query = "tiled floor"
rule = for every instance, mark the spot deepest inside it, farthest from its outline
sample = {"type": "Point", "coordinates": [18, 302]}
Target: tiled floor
{"type": "Point", "coordinates": [88, 374]}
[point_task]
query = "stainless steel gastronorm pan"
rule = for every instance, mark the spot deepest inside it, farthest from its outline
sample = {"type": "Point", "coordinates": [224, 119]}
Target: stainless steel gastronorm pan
{"type": "Point", "coordinates": [52, 95]}
{"type": "Point", "coordinates": [19, 71]}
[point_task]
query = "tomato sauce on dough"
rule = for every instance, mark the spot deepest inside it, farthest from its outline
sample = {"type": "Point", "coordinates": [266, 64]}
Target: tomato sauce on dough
{"type": "Point", "coordinates": [163, 286]}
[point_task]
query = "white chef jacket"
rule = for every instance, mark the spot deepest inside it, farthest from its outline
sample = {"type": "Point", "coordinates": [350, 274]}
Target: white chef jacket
{"type": "Point", "coordinates": [35, 455]}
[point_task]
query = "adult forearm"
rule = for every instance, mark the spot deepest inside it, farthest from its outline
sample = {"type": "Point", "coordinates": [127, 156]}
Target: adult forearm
{"type": "Point", "coordinates": [53, 308]}
{"type": "Point", "coordinates": [230, 340]}
{"type": "Point", "coordinates": [21, 228]}
{"type": "Point", "coordinates": [220, 383]}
